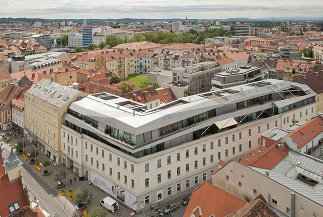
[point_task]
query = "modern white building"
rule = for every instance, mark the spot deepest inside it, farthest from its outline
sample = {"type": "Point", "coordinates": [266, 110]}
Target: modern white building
{"type": "Point", "coordinates": [237, 76]}
{"type": "Point", "coordinates": [75, 40]}
{"type": "Point", "coordinates": [143, 156]}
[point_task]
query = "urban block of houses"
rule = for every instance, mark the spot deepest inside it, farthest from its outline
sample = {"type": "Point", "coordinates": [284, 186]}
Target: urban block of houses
{"type": "Point", "coordinates": [114, 141]}
{"type": "Point", "coordinates": [289, 181]}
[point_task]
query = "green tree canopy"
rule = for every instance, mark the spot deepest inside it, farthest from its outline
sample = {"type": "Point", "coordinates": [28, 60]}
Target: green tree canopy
{"type": "Point", "coordinates": [46, 163]}
{"type": "Point", "coordinates": [114, 80]}
{"type": "Point", "coordinates": [81, 195]}
{"type": "Point", "coordinates": [62, 41]}
{"type": "Point", "coordinates": [307, 52]}
{"type": "Point", "coordinates": [92, 47]}
{"type": "Point", "coordinates": [156, 85]}
{"type": "Point", "coordinates": [144, 84]}
{"type": "Point", "coordinates": [98, 211]}
{"type": "Point", "coordinates": [102, 45]}
{"type": "Point", "coordinates": [59, 174]}
{"type": "Point", "coordinates": [113, 40]}
{"type": "Point", "coordinates": [125, 87]}
{"type": "Point", "coordinates": [78, 49]}
{"type": "Point", "coordinates": [192, 36]}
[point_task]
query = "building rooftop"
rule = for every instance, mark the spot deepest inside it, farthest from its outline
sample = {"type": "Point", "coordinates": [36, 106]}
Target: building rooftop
{"type": "Point", "coordinates": [208, 199]}
{"type": "Point", "coordinates": [107, 107]}
{"type": "Point", "coordinates": [53, 93]}
{"type": "Point", "coordinates": [12, 196]}
{"type": "Point", "coordinates": [307, 132]}
{"type": "Point", "coordinates": [299, 172]}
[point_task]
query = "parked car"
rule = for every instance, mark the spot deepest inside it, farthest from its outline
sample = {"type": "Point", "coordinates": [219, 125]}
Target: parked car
{"type": "Point", "coordinates": [109, 204]}
{"type": "Point", "coordinates": [186, 200]}
{"type": "Point", "coordinates": [170, 208]}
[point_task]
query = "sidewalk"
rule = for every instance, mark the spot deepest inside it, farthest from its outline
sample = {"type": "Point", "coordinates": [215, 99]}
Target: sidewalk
{"type": "Point", "coordinates": [70, 184]}
{"type": "Point", "coordinates": [49, 185]}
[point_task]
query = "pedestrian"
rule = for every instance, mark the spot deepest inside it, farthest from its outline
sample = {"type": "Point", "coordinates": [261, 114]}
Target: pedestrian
{"type": "Point", "coordinates": [71, 181]}
{"type": "Point", "coordinates": [90, 194]}
{"type": "Point", "coordinates": [152, 207]}
{"type": "Point", "coordinates": [81, 213]}
{"type": "Point", "coordinates": [74, 179]}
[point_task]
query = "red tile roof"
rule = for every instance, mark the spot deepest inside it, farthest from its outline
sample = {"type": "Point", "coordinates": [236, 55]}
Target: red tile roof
{"type": "Point", "coordinates": [266, 158]}
{"type": "Point", "coordinates": [9, 192]}
{"type": "Point", "coordinates": [256, 208]}
{"type": "Point", "coordinates": [212, 200]}
{"type": "Point", "coordinates": [165, 95]}
{"type": "Point", "coordinates": [313, 79]}
{"type": "Point", "coordinates": [307, 132]}
{"type": "Point", "coordinates": [143, 95]}
{"type": "Point", "coordinates": [294, 64]}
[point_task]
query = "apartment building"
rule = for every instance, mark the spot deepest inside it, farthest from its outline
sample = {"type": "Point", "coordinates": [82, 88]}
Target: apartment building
{"type": "Point", "coordinates": [290, 182]}
{"type": "Point", "coordinates": [314, 80]}
{"type": "Point", "coordinates": [5, 78]}
{"type": "Point", "coordinates": [87, 35]}
{"type": "Point", "coordinates": [242, 29]}
{"type": "Point", "coordinates": [318, 53]}
{"type": "Point", "coordinates": [45, 104]}
{"type": "Point", "coordinates": [75, 40]}
{"type": "Point", "coordinates": [237, 76]}
{"type": "Point", "coordinates": [45, 40]}
{"type": "Point", "coordinates": [119, 62]}
{"type": "Point", "coordinates": [37, 62]}
{"type": "Point", "coordinates": [143, 156]}
{"type": "Point", "coordinates": [288, 69]}
{"type": "Point", "coordinates": [197, 77]}
{"type": "Point", "coordinates": [290, 53]}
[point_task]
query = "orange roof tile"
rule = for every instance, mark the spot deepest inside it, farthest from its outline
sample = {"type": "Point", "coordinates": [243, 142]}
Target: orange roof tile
{"type": "Point", "coordinates": [9, 192]}
{"type": "Point", "coordinates": [268, 158]}
{"type": "Point", "coordinates": [213, 200]}
{"type": "Point", "coordinates": [307, 132]}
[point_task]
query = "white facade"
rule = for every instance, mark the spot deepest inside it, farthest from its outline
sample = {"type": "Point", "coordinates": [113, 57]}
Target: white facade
{"type": "Point", "coordinates": [143, 65]}
{"type": "Point", "coordinates": [75, 40]}
{"type": "Point", "coordinates": [174, 161]}
{"type": "Point", "coordinates": [90, 157]}
{"type": "Point", "coordinates": [18, 114]}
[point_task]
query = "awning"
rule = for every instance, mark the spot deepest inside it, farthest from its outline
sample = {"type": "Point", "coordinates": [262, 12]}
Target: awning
{"type": "Point", "coordinates": [225, 123]}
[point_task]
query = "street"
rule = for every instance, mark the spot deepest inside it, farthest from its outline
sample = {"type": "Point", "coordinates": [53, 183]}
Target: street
{"type": "Point", "coordinates": [44, 189]}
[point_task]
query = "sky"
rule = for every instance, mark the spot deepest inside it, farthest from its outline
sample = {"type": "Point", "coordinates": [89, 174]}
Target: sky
{"type": "Point", "coordinates": [162, 9]}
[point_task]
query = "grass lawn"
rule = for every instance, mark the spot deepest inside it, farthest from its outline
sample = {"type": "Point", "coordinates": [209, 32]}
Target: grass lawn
{"type": "Point", "coordinates": [137, 79]}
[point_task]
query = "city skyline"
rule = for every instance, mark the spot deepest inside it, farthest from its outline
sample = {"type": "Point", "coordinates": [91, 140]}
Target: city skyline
{"type": "Point", "coordinates": [204, 9]}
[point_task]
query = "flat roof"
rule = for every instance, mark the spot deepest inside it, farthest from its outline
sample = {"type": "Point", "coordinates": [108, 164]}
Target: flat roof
{"type": "Point", "coordinates": [109, 109]}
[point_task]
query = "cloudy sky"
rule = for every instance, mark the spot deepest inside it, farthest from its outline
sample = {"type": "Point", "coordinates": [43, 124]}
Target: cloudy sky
{"type": "Point", "coordinates": [209, 9]}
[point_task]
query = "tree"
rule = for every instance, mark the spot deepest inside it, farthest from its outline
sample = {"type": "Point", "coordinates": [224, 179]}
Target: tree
{"type": "Point", "coordinates": [113, 40]}
{"type": "Point", "coordinates": [307, 52]}
{"type": "Point", "coordinates": [46, 163]}
{"type": "Point", "coordinates": [102, 45]}
{"type": "Point", "coordinates": [19, 147]}
{"type": "Point", "coordinates": [92, 47]}
{"type": "Point", "coordinates": [156, 85]}
{"type": "Point", "coordinates": [144, 84]}
{"type": "Point", "coordinates": [78, 49]}
{"type": "Point", "coordinates": [98, 211]}
{"type": "Point", "coordinates": [34, 154]}
{"type": "Point", "coordinates": [81, 195]}
{"type": "Point", "coordinates": [125, 87]}
{"type": "Point", "coordinates": [114, 80]}
{"type": "Point", "coordinates": [62, 41]}
{"type": "Point", "coordinates": [59, 175]}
